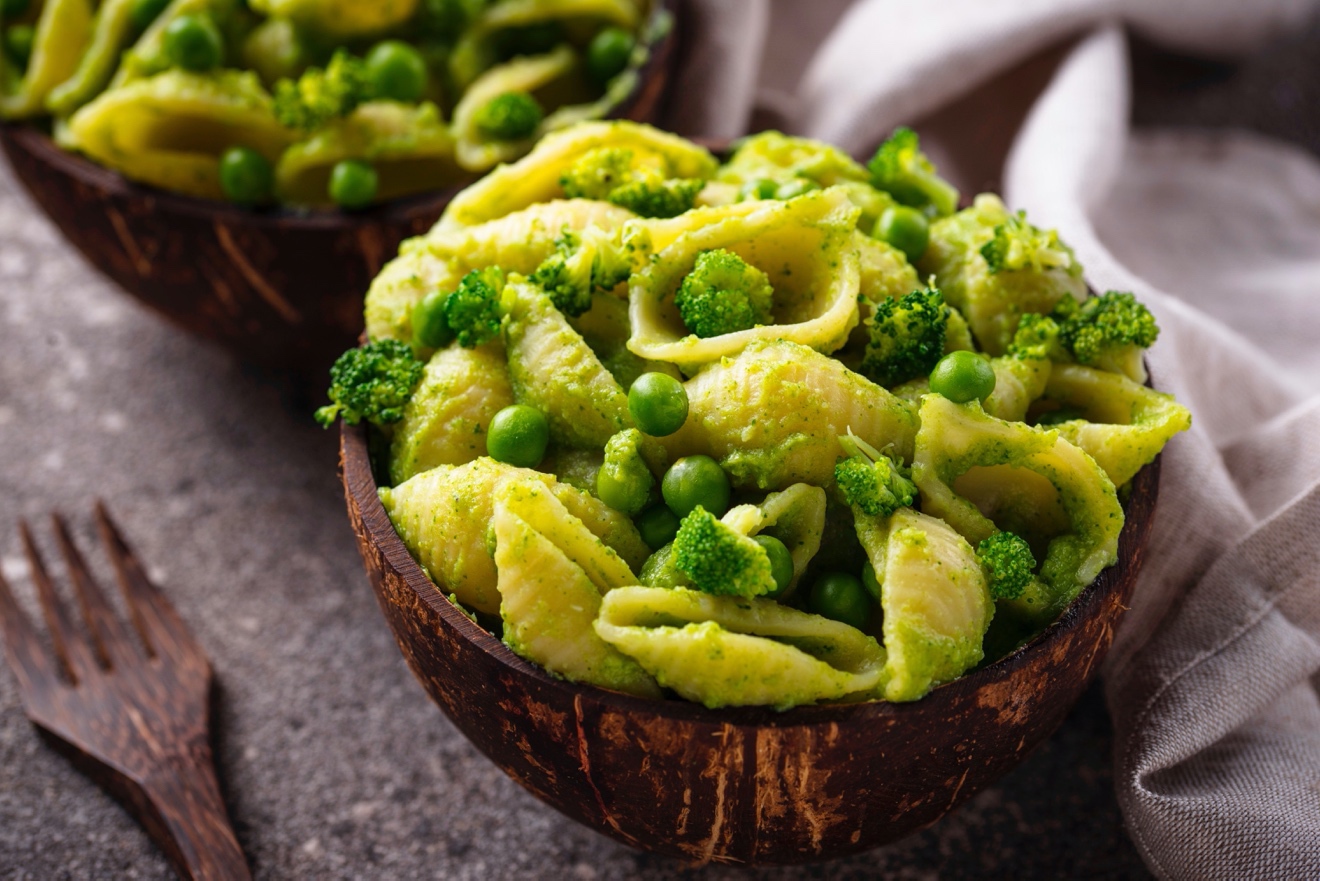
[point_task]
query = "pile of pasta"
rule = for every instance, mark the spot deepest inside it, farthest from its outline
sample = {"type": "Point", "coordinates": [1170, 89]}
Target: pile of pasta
{"type": "Point", "coordinates": [535, 555]}
{"type": "Point", "coordinates": [103, 75]}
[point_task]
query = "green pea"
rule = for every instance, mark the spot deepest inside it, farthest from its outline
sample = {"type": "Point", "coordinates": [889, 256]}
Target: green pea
{"type": "Point", "coordinates": [841, 597]}
{"type": "Point", "coordinates": [428, 321]}
{"type": "Point", "coordinates": [625, 491]}
{"type": "Point", "coordinates": [12, 9]}
{"type": "Point", "coordinates": [963, 377]}
{"type": "Point", "coordinates": [518, 435]}
{"type": "Point", "coordinates": [193, 42]}
{"type": "Point", "coordinates": [870, 582]}
{"type": "Point", "coordinates": [781, 562]}
{"type": "Point", "coordinates": [906, 229]}
{"type": "Point", "coordinates": [608, 54]}
{"type": "Point", "coordinates": [761, 188]}
{"type": "Point", "coordinates": [658, 525]}
{"type": "Point", "coordinates": [696, 480]}
{"type": "Point", "coordinates": [396, 71]}
{"type": "Point", "coordinates": [509, 117]}
{"type": "Point", "coordinates": [353, 183]}
{"type": "Point", "coordinates": [658, 404]}
{"type": "Point", "coordinates": [18, 43]}
{"type": "Point", "coordinates": [144, 12]}
{"type": "Point", "coordinates": [245, 176]}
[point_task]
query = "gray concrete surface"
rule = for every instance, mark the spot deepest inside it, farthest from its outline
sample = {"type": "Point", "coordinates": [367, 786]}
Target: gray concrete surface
{"type": "Point", "coordinates": [335, 763]}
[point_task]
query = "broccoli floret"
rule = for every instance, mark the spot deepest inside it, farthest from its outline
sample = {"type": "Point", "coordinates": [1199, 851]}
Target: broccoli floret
{"type": "Point", "coordinates": [1037, 338]}
{"type": "Point", "coordinates": [473, 310]}
{"type": "Point", "coordinates": [870, 481]}
{"type": "Point", "coordinates": [657, 198]}
{"type": "Point", "coordinates": [1018, 245]}
{"type": "Point", "coordinates": [902, 170]}
{"type": "Point", "coordinates": [623, 481]}
{"type": "Point", "coordinates": [512, 116]}
{"type": "Point", "coordinates": [614, 174]}
{"type": "Point", "coordinates": [719, 559]}
{"type": "Point", "coordinates": [1109, 332]}
{"type": "Point", "coordinates": [320, 96]}
{"type": "Point", "coordinates": [723, 294]}
{"type": "Point", "coordinates": [906, 337]}
{"type": "Point", "coordinates": [582, 265]}
{"type": "Point", "coordinates": [373, 383]}
{"type": "Point", "coordinates": [1008, 565]}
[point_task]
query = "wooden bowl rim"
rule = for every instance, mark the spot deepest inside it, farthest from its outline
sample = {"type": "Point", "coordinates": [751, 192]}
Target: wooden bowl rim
{"type": "Point", "coordinates": [31, 138]}
{"type": "Point", "coordinates": [360, 483]}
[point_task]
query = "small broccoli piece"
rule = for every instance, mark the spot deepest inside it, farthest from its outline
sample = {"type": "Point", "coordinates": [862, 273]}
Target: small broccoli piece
{"type": "Point", "coordinates": [723, 294]}
{"type": "Point", "coordinates": [657, 198]}
{"type": "Point", "coordinates": [473, 310]}
{"type": "Point", "coordinates": [719, 559]}
{"type": "Point", "coordinates": [870, 481]}
{"type": "Point", "coordinates": [373, 383]}
{"type": "Point", "coordinates": [902, 170]}
{"type": "Point", "coordinates": [1109, 332]}
{"type": "Point", "coordinates": [614, 174]}
{"type": "Point", "coordinates": [1037, 338]}
{"type": "Point", "coordinates": [320, 96]}
{"type": "Point", "coordinates": [1017, 245]}
{"type": "Point", "coordinates": [623, 481]}
{"type": "Point", "coordinates": [582, 265]}
{"type": "Point", "coordinates": [1008, 565]}
{"type": "Point", "coordinates": [512, 116]}
{"type": "Point", "coordinates": [906, 337]}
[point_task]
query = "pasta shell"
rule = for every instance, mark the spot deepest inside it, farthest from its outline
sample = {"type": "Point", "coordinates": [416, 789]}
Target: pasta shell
{"type": "Point", "coordinates": [723, 651]}
{"type": "Point", "coordinates": [805, 247]}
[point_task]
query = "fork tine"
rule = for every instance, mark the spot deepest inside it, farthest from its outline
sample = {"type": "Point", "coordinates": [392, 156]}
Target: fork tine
{"type": "Point", "coordinates": [161, 628]}
{"type": "Point", "coordinates": [72, 651]}
{"type": "Point", "coordinates": [27, 658]}
{"type": "Point", "coordinates": [109, 636]}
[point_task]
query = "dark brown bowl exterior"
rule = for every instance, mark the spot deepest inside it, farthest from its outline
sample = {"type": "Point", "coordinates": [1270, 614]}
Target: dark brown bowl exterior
{"type": "Point", "coordinates": [278, 288]}
{"type": "Point", "coordinates": [750, 786]}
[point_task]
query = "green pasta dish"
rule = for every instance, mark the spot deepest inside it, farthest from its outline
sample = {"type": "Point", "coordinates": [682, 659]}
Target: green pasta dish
{"type": "Point", "coordinates": [777, 430]}
{"type": "Point", "coordinates": [317, 102]}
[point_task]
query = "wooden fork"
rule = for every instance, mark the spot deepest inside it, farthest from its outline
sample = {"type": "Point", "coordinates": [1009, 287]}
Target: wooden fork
{"type": "Point", "coordinates": [137, 722]}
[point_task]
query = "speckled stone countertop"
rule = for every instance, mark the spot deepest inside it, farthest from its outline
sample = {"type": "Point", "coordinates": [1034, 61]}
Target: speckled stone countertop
{"type": "Point", "coordinates": [335, 763]}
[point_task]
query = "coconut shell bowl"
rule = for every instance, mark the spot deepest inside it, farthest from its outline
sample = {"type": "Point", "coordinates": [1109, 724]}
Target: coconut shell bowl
{"type": "Point", "coordinates": [279, 288]}
{"type": "Point", "coordinates": [747, 786]}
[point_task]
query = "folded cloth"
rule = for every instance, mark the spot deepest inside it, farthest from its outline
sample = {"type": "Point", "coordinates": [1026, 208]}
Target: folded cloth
{"type": "Point", "coordinates": [1212, 680]}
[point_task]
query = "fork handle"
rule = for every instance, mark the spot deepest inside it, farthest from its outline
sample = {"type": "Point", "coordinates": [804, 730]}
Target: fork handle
{"type": "Point", "coordinates": [185, 814]}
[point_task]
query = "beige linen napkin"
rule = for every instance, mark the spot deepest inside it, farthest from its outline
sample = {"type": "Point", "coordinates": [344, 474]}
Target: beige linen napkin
{"type": "Point", "coordinates": [1212, 680]}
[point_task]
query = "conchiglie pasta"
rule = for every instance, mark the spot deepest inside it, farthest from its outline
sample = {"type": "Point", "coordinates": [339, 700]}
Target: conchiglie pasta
{"type": "Point", "coordinates": [446, 419]}
{"type": "Point", "coordinates": [1018, 382]}
{"type": "Point", "coordinates": [795, 516]}
{"type": "Point", "coordinates": [722, 651]}
{"type": "Point", "coordinates": [147, 56]}
{"type": "Point", "coordinates": [933, 593]}
{"type": "Point", "coordinates": [63, 31]}
{"type": "Point", "coordinates": [802, 245]}
{"type": "Point", "coordinates": [1083, 510]}
{"type": "Point", "coordinates": [1125, 424]}
{"type": "Point", "coordinates": [773, 414]}
{"type": "Point", "coordinates": [442, 516]}
{"type": "Point", "coordinates": [170, 129]}
{"type": "Point", "coordinates": [409, 146]}
{"type": "Point", "coordinates": [112, 29]}
{"type": "Point", "coordinates": [552, 572]}
{"type": "Point", "coordinates": [555, 72]}
{"type": "Point", "coordinates": [535, 177]}
{"type": "Point", "coordinates": [554, 370]}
